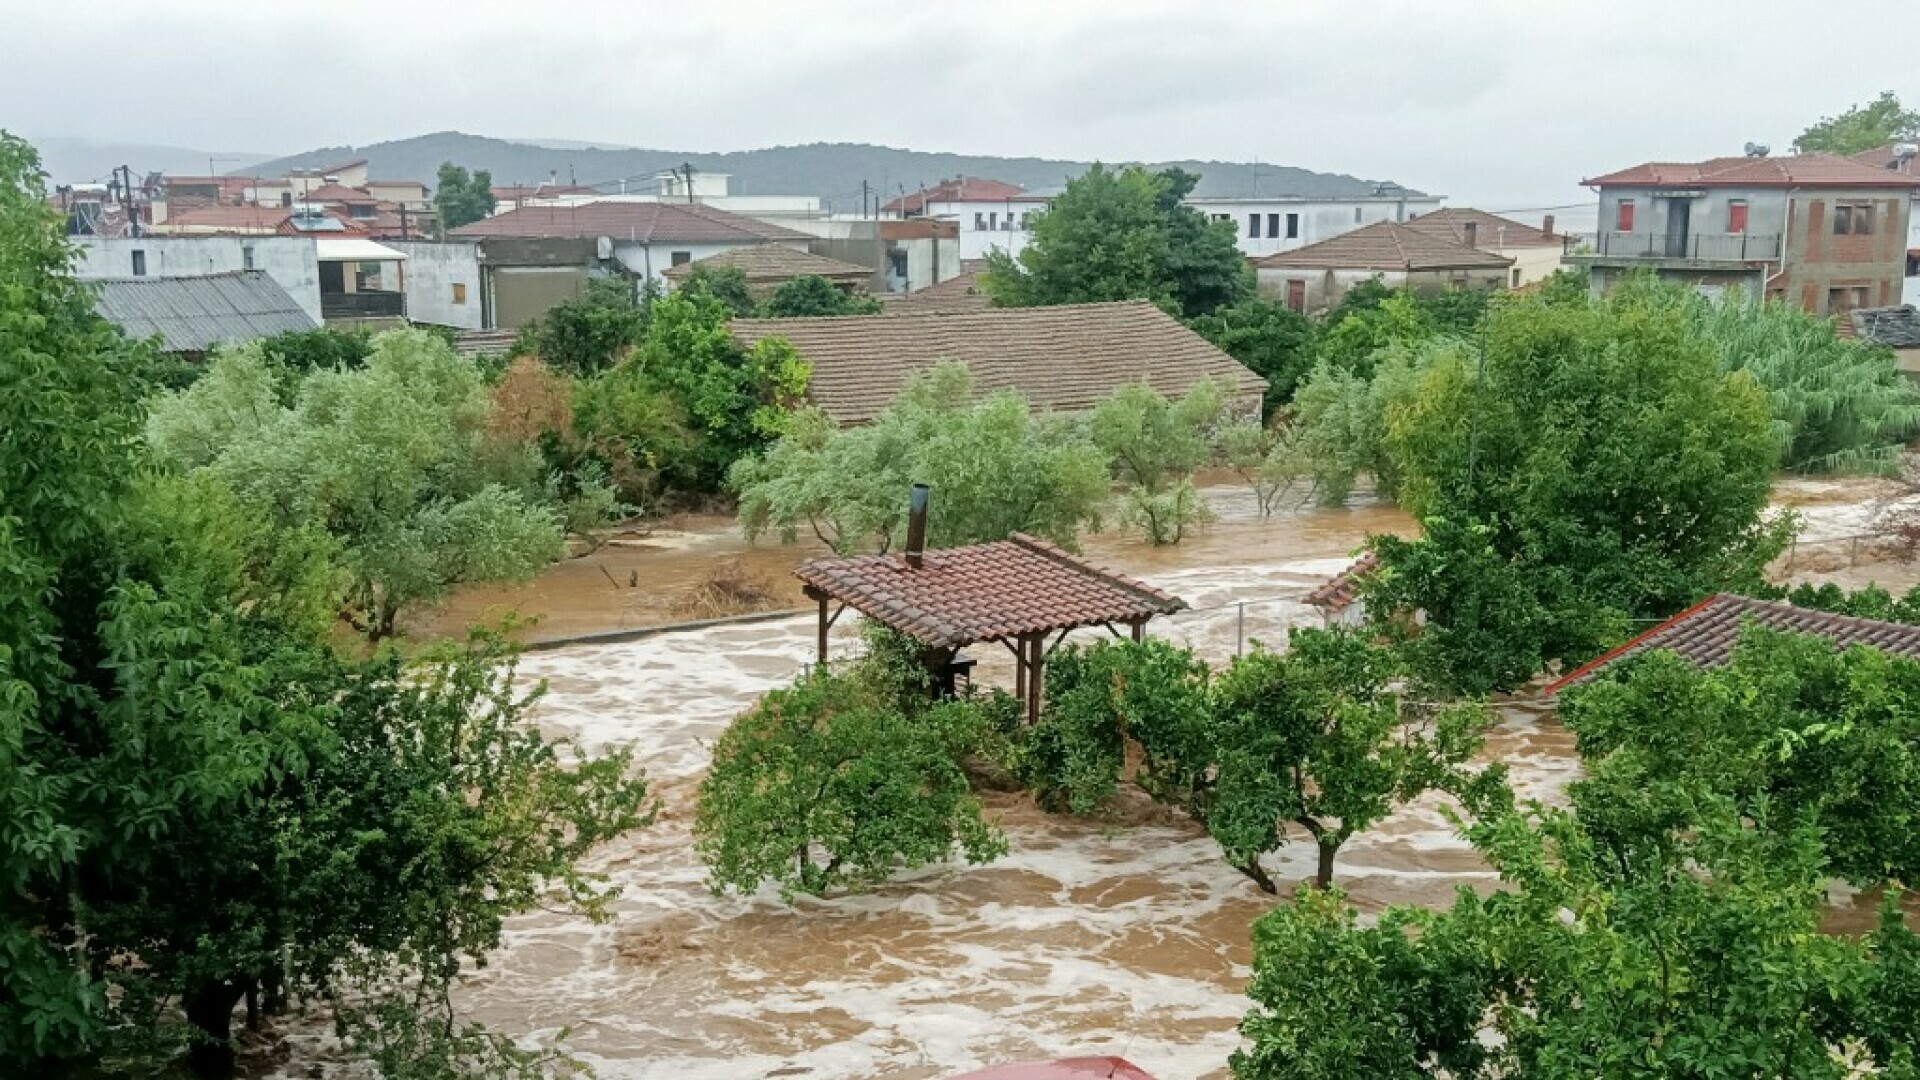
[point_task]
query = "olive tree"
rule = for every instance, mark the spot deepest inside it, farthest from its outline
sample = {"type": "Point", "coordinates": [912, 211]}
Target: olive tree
{"type": "Point", "coordinates": [995, 468]}
{"type": "Point", "coordinates": [1155, 445]}
{"type": "Point", "coordinates": [831, 784]}
{"type": "Point", "coordinates": [392, 461]}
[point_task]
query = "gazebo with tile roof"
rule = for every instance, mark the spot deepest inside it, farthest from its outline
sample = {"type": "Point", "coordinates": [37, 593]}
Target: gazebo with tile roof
{"type": "Point", "coordinates": [1021, 592]}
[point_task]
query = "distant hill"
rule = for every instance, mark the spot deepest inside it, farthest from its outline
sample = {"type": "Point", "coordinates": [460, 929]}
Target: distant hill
{"type": "Point", "coordinates": [832, 171]}
{"type": "Point", "coordinates": [84, 161]}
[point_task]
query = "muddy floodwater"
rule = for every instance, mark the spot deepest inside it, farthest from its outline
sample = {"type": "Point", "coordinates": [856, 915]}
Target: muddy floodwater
{"type": "Point", "coordinates": [1127, 935]}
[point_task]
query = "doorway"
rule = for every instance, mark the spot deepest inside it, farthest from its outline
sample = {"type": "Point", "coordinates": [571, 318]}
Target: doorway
{"type": "Point", "coordinates": [1679, 218]}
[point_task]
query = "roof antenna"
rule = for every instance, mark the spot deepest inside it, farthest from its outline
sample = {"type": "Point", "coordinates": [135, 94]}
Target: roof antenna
{"type": "Point", "coordinates": [916, 526]}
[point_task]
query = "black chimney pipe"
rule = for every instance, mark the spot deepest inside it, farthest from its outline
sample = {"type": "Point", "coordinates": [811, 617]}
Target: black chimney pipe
{"type": "Point", "coordinates": [916, 525]}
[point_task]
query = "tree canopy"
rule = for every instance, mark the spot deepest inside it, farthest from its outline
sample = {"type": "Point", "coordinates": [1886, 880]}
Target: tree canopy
{"type": "Point", "coordinates": [1124, 235]}
{"type": "Point", "coordinates": [1881, 121]}
{"type": "Point", "coordinates": [202, 800]}
{"type": "Point", "coordinates": [995, 468]}
{"type": "Point", "coordinates": [815, 295]}
{"type": "Point", "coordinates": [1597, 461]}
{"type": "Point", "coordinates": [462, 198]}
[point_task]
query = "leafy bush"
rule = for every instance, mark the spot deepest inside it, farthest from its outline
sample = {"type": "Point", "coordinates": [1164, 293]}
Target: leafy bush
{"type": "Point", "coordinates": [324, 349]}
{"type": "Point", "coordinates": [814, 295]}
{"type": "Point", "coordinates": [1274, 341]}
{"type": "Point", "coordinates": [588, 333]}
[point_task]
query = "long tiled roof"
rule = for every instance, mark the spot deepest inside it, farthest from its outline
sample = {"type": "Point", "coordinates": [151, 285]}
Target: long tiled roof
{"type": "Point", "coordinates": [1386, 245]}
{"type": "Point", "coordinates": [985, 592]}
{"type": "Point", "coordinates": [255, 218]}
{"type": "Point", "coordinates": [634, 222]}
{"type": "Point", "coordinates": [1894, 327]}
{"type": "Point", "coordinates": [1706, 633]}
{"type": "Point", "coordinates": [1338, 594]}
{"type": "Point", "coordinates": [193, 314]}
{"type": "Point", "coordinates": [1802, 170]}
{"type": "Point", "coordinates": [1491, 231]}
{"type": "Point", "coordinates": [962, 292]}
{"type": "Point", "coordinates": [1065, 358]}
{"type": "Point", "coordinates": [776, 262]}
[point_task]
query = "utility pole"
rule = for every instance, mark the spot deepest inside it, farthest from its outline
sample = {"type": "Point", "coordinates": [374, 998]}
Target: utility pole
{"type": "Point", "coordinates": [403, 222]}
{"type": "Point", "coordinates": [688, 168]}
{"type": "Point", "coordinates": [863, 198]}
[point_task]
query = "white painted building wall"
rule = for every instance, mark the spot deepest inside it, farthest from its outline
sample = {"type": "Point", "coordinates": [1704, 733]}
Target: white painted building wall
{"type": "Point", "coordinates": [988, 226]}
{"type": "Point", "coordinates": [652, 260]}
{"type": "Point", "coordinates": [289, 260]}
{"type": "Point", "coordinates": [442, 282]}
{"type": "Point", "coordinates": [1268, 226]}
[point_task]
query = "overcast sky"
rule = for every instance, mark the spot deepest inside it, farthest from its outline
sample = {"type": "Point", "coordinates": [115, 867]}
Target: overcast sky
{"type": "Point", "coordinates": [1504, 103]}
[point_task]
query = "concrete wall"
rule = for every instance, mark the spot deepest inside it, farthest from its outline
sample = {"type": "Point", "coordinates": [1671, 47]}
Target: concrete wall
{"type": "Point", "coordinates": [1871, 266]}
{"type": "Point", "coordinates": [983, 224]}
{"type": "Point", "coordinates": [432, 271]}
{"type": "Point", "coordinates": [1314, 219]}
{"type": "Point", "coordinates": [1530, 264]}
{"type": "Point", "coordinates": [288, 260]}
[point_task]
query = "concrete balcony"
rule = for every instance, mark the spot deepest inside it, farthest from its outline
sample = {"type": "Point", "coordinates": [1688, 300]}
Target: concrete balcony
{"type": "Point", "coordinates": [1705, 250]}
{"type": "Point", "coordinates": [363, 305]}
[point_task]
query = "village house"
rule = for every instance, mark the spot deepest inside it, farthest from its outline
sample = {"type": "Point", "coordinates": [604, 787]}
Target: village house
{"type": "Point", "coordinates": [766, 267]}
{"type": "Point", "coordinates": [1314, 278]}
{"type": "Point", "coordinates": [1536, 252]}
{"type": "Point", "coordinates": [1065, 358]}
{"type": "Point", "coordinates": [643, 237]}
{"type": "Point", "coordinates": [1827, 233]}
{"type": "Point", "coordinates": [190, 316]}
{"type": "Point", "coordinates": [342, 278]}
{"type": "Point", "coordinates": [989, 215]}
{"type": "Point", "coordinates": [1269, 225]}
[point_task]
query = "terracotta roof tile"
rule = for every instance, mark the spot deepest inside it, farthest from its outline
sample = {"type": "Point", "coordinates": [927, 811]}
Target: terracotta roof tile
{"type": "Point", "coordinates": [962, 292]}
{"type": "Point", "coordinates": [985, 592]}
{"type": "Point", "coordinates": [775, 262]}
{"type": "Point", "coordinates": [337, 193]}
{"type": "Point", "coordinates": [1894, 327]}
{"type": "Point", "coordinates": [958, 189]}
{"type": "Point", "coordinates": [1706, 633]}
{"type": "Point", "coordinates": [1386, 245]}
{"type": "Point", "coordinates": [1339, 594]}
{"type": "Point", "coordinates": [1065, 358]}
{"type": "Point", "coordinates": [1803, 170]}
{"type": "Point", "coordinates": [1491, 231]}
{"type": "Point", "coordinates": [264, 219]}
{"type": "Point", "coordinates": [634, 222]}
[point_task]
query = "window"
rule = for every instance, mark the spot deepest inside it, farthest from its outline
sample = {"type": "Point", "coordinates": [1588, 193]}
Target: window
{"type": "Point", "coordinates": [1855, 219]}
{"type": "Point", "coordinates": [1623, 216]}
{"type": "Point", "coordinates": [979, 220]}
{"type": "Point", "coordinates": [1356, 215]}
{"type": "Point", "coordinates": [460, 292]}
{"type": "Point", "coordinates": [1514, 281]}
{"type": "Point", "coordinates": [1736, 215]}
{"type": "Point", "coordinates": [1293, 226]}
{"type": "Point", "coordinates": [993, 221]}
{"type": "Point", "coordinates": [1253, 226]}
{"type": "Point", "coordinates": [246, 256]}
{"type": "Point", "coordinates": [139, 264]}
{"type": "Point", "coordinates": [1026, 220]}
{"type": "Point", "coordinates": [680, 258]}
{"type": "Point", "coordinates": [1273, 226]}
{"type": "Point", "coordinates": [286, 198]}
{"type": "Point", "coordinates": [1843, 300]}
{"type": "Point", "coordinates": [1297, 295]}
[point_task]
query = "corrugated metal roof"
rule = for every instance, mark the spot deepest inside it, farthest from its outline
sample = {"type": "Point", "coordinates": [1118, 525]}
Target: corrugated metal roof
{"type": "Point", "coordinates": [193, 314]}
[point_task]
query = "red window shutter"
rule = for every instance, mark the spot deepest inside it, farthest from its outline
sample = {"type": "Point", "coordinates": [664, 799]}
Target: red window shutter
{"type": "Point", "coordinates": [1625, 224]}
{"type": "Point", "coordinates": [1737, 217]}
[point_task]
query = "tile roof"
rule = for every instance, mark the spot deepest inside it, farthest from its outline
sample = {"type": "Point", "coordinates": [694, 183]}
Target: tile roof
{"type": "Point", "coordinates": [1894, 327]}
{"type": "Point", "coordinates": [1065, 358]}
{"type": "Point", "coordinates": [1386, 245]}
{"type": "Point", "coordinates": [1803, 170]}
{"type": "Point", "coordinates": [479, 343]}
{"type": "Point", "coordinates": [985, 592]}
{"type": "Point", "coordinates": [634, 222]}
{"type": "Point", "coordinates": [1706, 633]}
{"type": "Point", "coordinates": [958, 189]}
{"type": "Point", "coordinates": [263, 219]}
{"type": "Point", "coordinates": [776, 262]}
{"type": "Point", "coordinates": [1339, 594]}
{"type": "Point", "coordinates": [193, 314]}
{"type": "Point", "coordinates": [1885, 157]}
{"type": "Point", "coordinates": [962, 292]}
{"type": "Point", "coordinates": [337, 193]}
{"type": "Point", "coordinates": [1491, 231]}
{"type": "Point", "coordinates": [513, 192]}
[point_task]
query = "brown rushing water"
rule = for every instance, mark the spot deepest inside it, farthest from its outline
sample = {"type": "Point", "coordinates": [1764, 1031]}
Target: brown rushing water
{"type": "Point", "coordinates": [1127, 935]}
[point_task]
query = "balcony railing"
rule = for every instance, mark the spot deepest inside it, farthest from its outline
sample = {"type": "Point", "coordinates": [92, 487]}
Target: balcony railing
{"type": "Point", "coordinates": [1697, 247]}
{"type": "Point", "coordinates": [363, 305]}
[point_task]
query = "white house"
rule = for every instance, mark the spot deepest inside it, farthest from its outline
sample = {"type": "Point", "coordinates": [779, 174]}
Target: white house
{"type": "Point", "coordinates": [645, 237]}
{"type": "Point", "coordinates": [291, 261]}
{"type": "Point", "coordinates": [1270, 224]}
{"type": "Point", "coordinates": [990, 215]}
